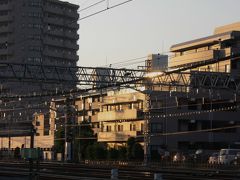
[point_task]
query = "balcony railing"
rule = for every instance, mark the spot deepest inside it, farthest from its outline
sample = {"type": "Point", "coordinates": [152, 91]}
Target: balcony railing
{"type": "Point", "coordinates": [126, 114]}
{"type": "Point", "coordinates": [117, 136]}
{"type": "Point", "coordinates": [194, 57]}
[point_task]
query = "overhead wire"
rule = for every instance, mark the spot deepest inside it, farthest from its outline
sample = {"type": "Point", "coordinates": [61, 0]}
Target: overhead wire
{"type": "Point", "coordinates": [74, 21]}
{"type": "Point", "coordinates": [101, 11]}
{"type": "Point", "coordinates": [92, 5]}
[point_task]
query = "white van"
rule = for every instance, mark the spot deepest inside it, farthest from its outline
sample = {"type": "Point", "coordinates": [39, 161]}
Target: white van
{"type": "Point", "coordinates": [226, 156]}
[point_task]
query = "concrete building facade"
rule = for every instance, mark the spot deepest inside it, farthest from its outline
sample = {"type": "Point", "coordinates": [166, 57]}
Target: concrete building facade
{"type": "Point", "coordinates": [42, 32]}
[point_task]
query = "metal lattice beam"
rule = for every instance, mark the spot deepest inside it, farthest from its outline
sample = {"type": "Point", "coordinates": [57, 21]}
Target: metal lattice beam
{"type": "Point", "coordinates": [12, 72]}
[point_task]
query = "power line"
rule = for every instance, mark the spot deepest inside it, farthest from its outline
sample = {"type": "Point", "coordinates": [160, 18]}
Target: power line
{"type": "Point", "coordinates": [101, 11]}
{"type": "Point", "coordinates": [127, 60]}
{"type": "Point", "coordinates": [99, 2]}
{"type": "Point", "coordinates": [79, 19]}
{"type": "Point", "coordinates": [196, 131]}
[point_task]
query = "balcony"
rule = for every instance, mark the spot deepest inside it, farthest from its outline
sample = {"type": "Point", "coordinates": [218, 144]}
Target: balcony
{"type": "Point", "coordinates": [4, 7]}
{"type": "Point", "coordinates": [6, 29]}
{"type": "Point", "coordinates": [70, 56]}
{"type": "Point", "coordinates": [55, 32]}
{"type": "Point", "coordinates": [6, 18]}
{"type": "Point", "coordinates": [127, 114]}
{"type": "Point", "coordinates": [96, 105]}
{"type": "Point", "coordinates": [194, 57]}
{"type": "Point", "coordinates": [94, 118]}
{"type": "Point", "coordinates": [52, 42]}
{"type": "Point", "coordinates": [72, 24]}
{"type": "Point", "coordinates": [53, 10]}
{"type": "Point", "coordinates": [72, 14]}
{"type": "Point", "coordinates": [6, 51]}
{"type": "Point", "coordinates": [53, 54]}
{"type": "Point", "coordinates": [117, 136]}
{"type": "Point", "coordinates": [55, 21]}
{"type": "Point", "coordinates": [71, 35]}
{"type": "Point", "coordinates": [71, 45]}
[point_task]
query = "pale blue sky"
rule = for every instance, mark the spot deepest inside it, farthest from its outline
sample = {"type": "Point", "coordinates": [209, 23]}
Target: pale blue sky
{"type": "Point", "coordinates": [141, 27]}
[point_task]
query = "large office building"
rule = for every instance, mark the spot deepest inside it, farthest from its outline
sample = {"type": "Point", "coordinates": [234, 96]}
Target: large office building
{"type": "Point", "coordinates": [35, 32]}
{"type": "Point", "coordinates": [39, 32]}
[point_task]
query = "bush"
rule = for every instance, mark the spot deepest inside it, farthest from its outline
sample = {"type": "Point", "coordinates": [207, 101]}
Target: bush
{"type": "Point", "coordinates": [113, 154]}
{"type": "Point", "coordinates": [96, 151]}
{"type": "Point", "coordinates": [137, 151]}
{"type": "Point", "coordinates": [122, 153]}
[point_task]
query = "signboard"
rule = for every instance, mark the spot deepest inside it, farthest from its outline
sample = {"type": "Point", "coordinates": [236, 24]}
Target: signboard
{"type": "Point", "coordinates": [30, 153]}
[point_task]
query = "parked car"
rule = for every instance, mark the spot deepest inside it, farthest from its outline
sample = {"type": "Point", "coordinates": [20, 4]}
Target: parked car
{"type": "Point", "coordinates": [227, 156]}
{"type": "Point", "coordinates": [237, 159]}
{"type": "Point", "coordinates": [201, 156]}
{"type": "Point", "coordinates": [214, 158]}
{"type": "Point", "coordinates": [179, 157]}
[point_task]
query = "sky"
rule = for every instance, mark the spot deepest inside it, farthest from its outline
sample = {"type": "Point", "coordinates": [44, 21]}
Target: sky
{"type": "Point", "coordinates": [143, 27]}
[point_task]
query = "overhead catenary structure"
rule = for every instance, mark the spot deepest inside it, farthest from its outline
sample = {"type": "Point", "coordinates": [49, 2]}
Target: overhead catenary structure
{"type": "Point", "coordinates": [192, 95]}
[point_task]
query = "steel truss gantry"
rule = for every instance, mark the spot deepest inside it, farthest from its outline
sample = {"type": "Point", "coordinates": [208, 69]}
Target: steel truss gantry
{"type": "Point", "coordinates": [13, 72]}
{"type": "Point", "coordinates": [197, 79]}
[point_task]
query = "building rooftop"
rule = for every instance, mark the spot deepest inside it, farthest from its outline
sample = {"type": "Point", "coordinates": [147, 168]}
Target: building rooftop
{"type": "Point", "coordinates": [221, 33]}
{"type": "Point", "coordinates": [65, 3]}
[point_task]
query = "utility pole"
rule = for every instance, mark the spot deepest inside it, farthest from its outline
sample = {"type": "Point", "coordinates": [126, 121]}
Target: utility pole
{"type": "Point", "coordinates": [69, 130]}
{"type": "Point", "coordinates": [9, 137]}
{"type": "Point", "coordinates": [33, 131]}
{"type": "Point", "coordinates": [147, 130]}
{"type": "Point", "coordinates": [67, 145]}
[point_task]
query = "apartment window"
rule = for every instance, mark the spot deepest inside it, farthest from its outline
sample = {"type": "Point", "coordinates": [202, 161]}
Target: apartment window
{"type": "Point", "coordinates": [34, 59]}
{"type": "Point", "coordinates": [192, 125]}
{"type": "Point", "coordinates": [46, 132]}
{"type": "Point", "coordinates": [3, 24]}
{"type": "Point", "coordinates": [132, 127]}
{"type": "Point", "coordinates": [35, 48]}
{"type": "Point", "coordinates": [35, 26]}
{"type": "Point", "coordinates": [234, 64]}
{"type": "Point", "coordinates": [227, 68]}
{"type": "Point", "coordinates": [120, 127]}
{"type": "Point", "coordinates": [3, 2]}
{"type": "Point", "coordinates": [142, 127]}
{"type": "Point", "coordinates": [34, 37]}
{"type": "Point", "coordinates": [3, 57]}
{"type": "Point", "coordinates": [35, 3]}
{"type": "Point", "coordinates": [192, 105]}
{"type": "Point", "coordinates": [3, 13]}
{"type": "Point", "coordinates": [3, 45]}
{"type": "Point", "coordinates": [156, 128]}
{"type": "Point", "coordinates": [109, 128]}
{"type": "Point", "coordinates": [34, 14]}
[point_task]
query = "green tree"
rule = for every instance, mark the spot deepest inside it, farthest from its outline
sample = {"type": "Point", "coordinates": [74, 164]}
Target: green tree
{"type": "Point", "coordinates": [113, 154]}
{"type": "Point", "coordinates": [59, 141]}
{"type": "Point", "coordinates": [84, 138]}
{"type": "Point", "coordinates": [96, 151]}
{"type": "Point", "coordinates": [130, 143]}
{"type": "Point", "coordinates": [137, 151]}
{"type": "Point", "coordinates": [17, 153]}
{"type": "Point", "coordinates": [122, 151]}
{"type": "Point", "coordinates": [90, 152]}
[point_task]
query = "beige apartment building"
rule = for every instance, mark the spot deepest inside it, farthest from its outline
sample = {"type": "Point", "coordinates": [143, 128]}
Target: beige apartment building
{"type": "Point", "coordinates": [224, 42]}
{"type": "Point", "coordinates": [115, 115]}
{"type": "Point", "coordinates": [43, 139]}
{"type": "Point", "coordinates": [191, 115]}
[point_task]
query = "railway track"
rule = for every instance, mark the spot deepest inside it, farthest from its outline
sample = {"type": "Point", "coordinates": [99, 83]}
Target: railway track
{"type": "Point", "coordinates": [76, 171]}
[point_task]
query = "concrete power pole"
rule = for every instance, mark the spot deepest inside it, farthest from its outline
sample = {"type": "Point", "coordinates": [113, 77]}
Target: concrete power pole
{"type": "Point", "coordinates": [147, 130]}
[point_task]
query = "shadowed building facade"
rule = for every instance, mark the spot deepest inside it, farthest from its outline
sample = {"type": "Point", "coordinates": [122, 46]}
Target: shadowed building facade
{"type": "Point", "coordinates": [38, 32]}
